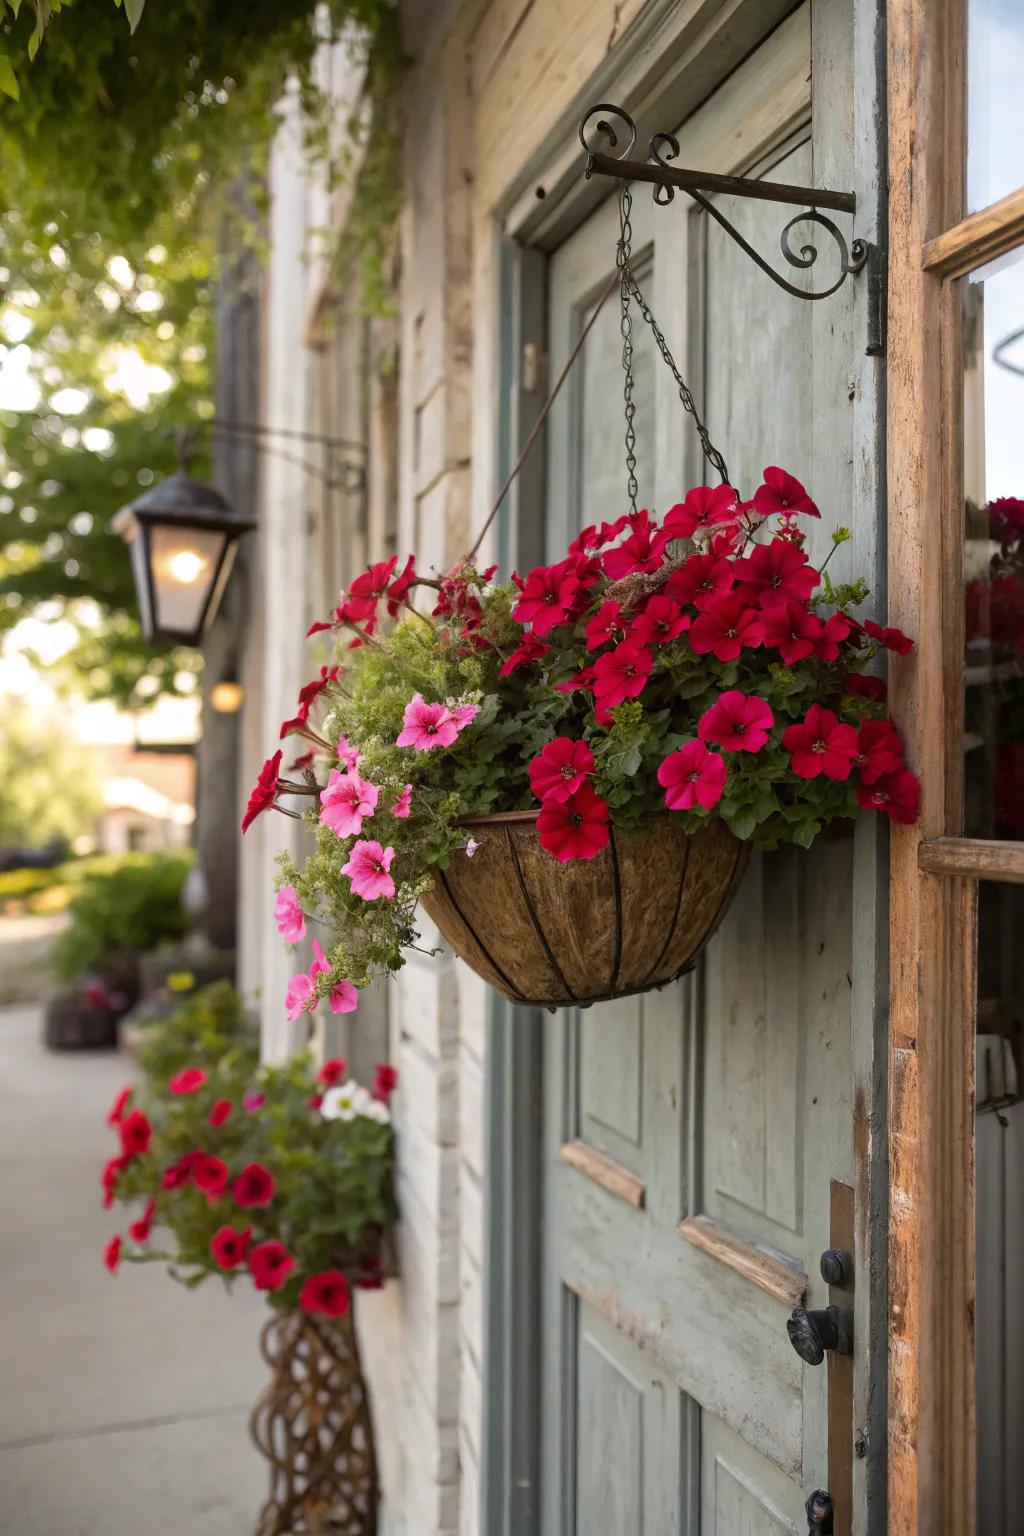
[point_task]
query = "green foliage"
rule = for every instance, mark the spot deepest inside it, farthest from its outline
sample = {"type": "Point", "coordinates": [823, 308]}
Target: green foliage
{"type": "Point", "coordinates": [332, 1201]}
{"type": "Point", "coordinates": [120, 165]}
{"type": "Point", "coordinates": [50, 791]}
{"type": "Point", "coordinates": [134, 902]}
{"type": "Point", "coordinates": [211, 1030]}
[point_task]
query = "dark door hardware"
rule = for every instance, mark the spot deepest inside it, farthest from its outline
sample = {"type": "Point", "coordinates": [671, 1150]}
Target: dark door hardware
{"type": "Point", "coordinates": [837, 1268]}
{"type": "Point", "coordinates": [812, 1333]}
{"type": "Point", "coordinates": [819, 1510]}
{"type": "Point", "coordinates": [608, 135]}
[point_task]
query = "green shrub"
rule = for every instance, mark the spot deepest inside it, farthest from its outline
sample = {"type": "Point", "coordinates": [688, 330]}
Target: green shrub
{"type": "Point", "coordinates": [210, 1029]}
{"type": "Point", "coordinates": [131, 902]}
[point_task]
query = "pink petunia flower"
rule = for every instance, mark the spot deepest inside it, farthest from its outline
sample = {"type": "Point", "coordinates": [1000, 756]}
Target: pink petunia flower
{"type": "Point", "coordinates": [288, 915]}
{"type": "Point", "coordinates": [463, 715]}
{"type": "Point", "coordinates": [403, 805]}
{"type": "Point", "coordinates": [692, 776]}
{"type": "Point", "coordinates": [738, 722]}
{"type": "Point", "coordinates": [347, 801]}
{"type": "Point", "coordinates": [369, 868]}
{"type": "Point", "coordinates": [427, 725]}
{"type": "Point", "coordinates": [301, 995]}
{"type": "Point", "coordinates": [350, 756]}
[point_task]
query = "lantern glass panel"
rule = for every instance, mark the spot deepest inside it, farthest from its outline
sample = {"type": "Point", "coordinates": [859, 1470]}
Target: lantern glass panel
{"type": "Point", "coordinates": [184, 561]}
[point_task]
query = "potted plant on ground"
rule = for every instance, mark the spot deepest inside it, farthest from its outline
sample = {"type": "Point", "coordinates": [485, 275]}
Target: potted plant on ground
{"type": "Point", "coordinates": [567, 770]}
{"type": "Point", "coordinates": [277, 1178]}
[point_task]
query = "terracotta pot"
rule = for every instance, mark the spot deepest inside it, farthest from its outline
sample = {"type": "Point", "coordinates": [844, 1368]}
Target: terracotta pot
{"type": "Point", "coordinates": [553, 935]}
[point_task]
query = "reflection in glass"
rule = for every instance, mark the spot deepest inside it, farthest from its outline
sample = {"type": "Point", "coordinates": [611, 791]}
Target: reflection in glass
{"type": "Point", "coordinates": [995, 72]}
{"type": "Point", "coordinates": [994, 551]}
{"type": "Point", "coordinates": [999, 1210]}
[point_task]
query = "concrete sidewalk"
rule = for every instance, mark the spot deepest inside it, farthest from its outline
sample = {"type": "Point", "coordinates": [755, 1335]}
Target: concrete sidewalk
{"type": "Point", "coordinates": [123, 1400]}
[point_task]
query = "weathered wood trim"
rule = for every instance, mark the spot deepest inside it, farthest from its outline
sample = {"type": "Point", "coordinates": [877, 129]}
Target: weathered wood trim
{"type": "Point", "coordinates": [604, 1170]}
{"type": "Point", "coordinates": [979, 238]}
{"type": "Point", "coordinates": [931, 1453]}
{"type": "Point", "coordinates": [781, 1278]}
{"type": "Point", "coordinates": [972, 858]}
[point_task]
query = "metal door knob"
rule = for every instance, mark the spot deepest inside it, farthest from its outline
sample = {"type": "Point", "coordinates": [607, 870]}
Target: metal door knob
{"type": "Point", "coordinates": [812, 1333]}
{"type": "Point", "coordinates": [820, 1511]}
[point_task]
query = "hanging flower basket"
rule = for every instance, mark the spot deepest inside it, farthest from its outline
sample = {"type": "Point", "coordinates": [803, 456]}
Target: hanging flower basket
{"type": "Point", "coordinates": [549, 934]}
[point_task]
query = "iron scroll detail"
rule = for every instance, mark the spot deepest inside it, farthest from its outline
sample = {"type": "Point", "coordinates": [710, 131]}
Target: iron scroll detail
{"type": "Point", "coordinates": [608, 135]}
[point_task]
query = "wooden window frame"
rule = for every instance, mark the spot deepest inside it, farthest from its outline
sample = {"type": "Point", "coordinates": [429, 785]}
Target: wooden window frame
{"type": "Point", "coordinates": [934, 871]}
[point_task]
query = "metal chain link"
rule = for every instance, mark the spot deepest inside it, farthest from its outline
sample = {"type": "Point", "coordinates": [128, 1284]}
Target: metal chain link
{"type": "Point", "coordinates": [629, 288]}
{"type": "Point", "coordinates": [626, 332]}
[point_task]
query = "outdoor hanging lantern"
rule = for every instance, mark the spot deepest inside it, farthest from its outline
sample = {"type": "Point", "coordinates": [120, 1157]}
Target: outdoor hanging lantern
{"type": "Point", "coordinates": [183, 537]}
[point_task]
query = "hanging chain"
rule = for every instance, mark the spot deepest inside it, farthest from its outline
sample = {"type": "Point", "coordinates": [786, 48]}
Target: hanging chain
{"type": "Point", "coordinates": [626, 331]}
{"type": "Point", "coordinates": [629, 288]}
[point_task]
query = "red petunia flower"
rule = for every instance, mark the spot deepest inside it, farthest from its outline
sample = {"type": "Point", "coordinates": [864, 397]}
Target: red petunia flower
{"type": "Point", "coordinates": [374, 580]}
{"type": "Point", "coordinates": [112, 1254]}
{"type": "Point", "coordinates": [606, 625]}
{"type": "Point", "coordinates": [228, 1246]}
{"type": "Point", "coordinates": [112, 1171]}
{"type": "Point", "coordinates": [530, 650]}
{"type": "Point", "coordinates": [782, 494]}
{"type": "Point", "coordinates": [397, 591]}
{"type": "Point", "coordinates": [692, 776]}
{"type": "Point", "coordinates": [332, 1072]}
{"type": "Point", "coordinates": [190, 1080]}
{"type": "Point", "coordinates": [560, 768]}
{"type": "Point", "coordinates": [262, 797]}
{"type": "Point", "coordinates": [549, 597]}
{"type": "Point", "coordinates": [866, 686]}
{"type": "Point", "coordinates": [270, 1264]}
{"type": "Point", "coordinates": [792, 631]}
{"type": "Point", "coordinates": [837, 629]}
{"type": "Point", "coordinates": [701, 580]}
{"type": "Point", "coordinates": [1006, 518]}
{"type": "Point", "coordinates": [136, 1133]}
{"type": "Point", "coordinates": [820, 744]}
{"type": "Point", "coordinates": [576, 828]}
{"type": "Point", "coordinates": [738, 722]}
{"type": "Point", "coordinates": [880, 751]}
{"type": "Point", "coordinates": [116, 1112]}
{"type": "Point", "coordinates": [220, 1112]}
{"type": "Point", "coordinates": [581, 681]}
{"type": "Point", "coordinates": [210, 1174]}
{"type": "Point", "coordinates": [897, 794]}
{"type": "Point", "coordinates": [315, 1100]}
{"type": "Point", "coordinates": [178, 1173]}
{"type": "Point", "coordinates": [621, 673]}
{"type": "Point", "coordinates": [892, 639]}
{"type": "Point", "coordinates": [254, 1186]}
{"type": "Point", "coordinates": [725, 627]}
{"type": "Point", "coordinates": [642, 551]}
{"type": "Point", "coordinates": [326, 1293]}
{"type": "Point", "coordinates": [773, 574]}
{"type": "Point", "coordinates": [385, 1081]}
{"type": "Point", "coordinates": [661, 622]}
{"type": "Point", "coordinates": [703, 508]}
{"type": "Point", "coordinates": [139, 1230]}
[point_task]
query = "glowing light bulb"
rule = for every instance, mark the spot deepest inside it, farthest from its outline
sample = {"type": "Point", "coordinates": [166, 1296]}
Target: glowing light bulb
{"type": "Point", "coordinates": [186, 566]}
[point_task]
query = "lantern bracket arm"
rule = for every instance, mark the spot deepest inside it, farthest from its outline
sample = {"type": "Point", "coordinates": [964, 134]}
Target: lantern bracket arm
{"type": "Point", "coordinates": [608, 135]}
{"type": "Point", "coordinates": [344, 468]}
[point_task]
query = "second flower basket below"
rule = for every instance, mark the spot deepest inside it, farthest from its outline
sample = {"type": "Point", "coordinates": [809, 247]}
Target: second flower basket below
{"type": "Point", "coordinates": [551, 934]}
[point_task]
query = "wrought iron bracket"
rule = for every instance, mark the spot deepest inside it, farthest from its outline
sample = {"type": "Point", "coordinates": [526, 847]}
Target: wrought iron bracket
{"type": "Point", "coordinates": [608, 135]}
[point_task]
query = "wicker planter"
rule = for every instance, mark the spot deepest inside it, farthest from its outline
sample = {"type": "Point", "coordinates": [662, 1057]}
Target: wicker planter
{"type": "Point", "coordinates": [314, 1426]}
{"type": "Point", "coordinates": [553, 935]}
{"type": "Point", "coordinates": [72, 1023]}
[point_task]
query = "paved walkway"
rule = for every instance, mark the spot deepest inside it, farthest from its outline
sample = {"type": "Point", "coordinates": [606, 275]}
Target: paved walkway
{"type": "Point", "coordinates": [123, 1400]}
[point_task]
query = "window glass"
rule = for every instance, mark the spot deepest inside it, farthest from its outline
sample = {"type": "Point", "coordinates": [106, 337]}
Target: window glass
{"type": "Point", "coordinates": [999, 1209]}
{"type": "Point", "coordinates": [994, 551]}
{"type": "Point", "coordinates": [995, 70]}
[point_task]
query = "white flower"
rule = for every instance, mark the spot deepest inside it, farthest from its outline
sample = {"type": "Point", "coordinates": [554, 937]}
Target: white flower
{"type": "Point", "coordinates": [344, 1102]}
{"type": "Point", "coordinates": [471, 848]}
{"type": "Point", "coordinates": [377, 1110]}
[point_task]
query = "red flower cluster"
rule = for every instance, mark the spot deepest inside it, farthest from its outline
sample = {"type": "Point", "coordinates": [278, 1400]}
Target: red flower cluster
{"type": "Point", "coordinates": [359, 608]}
{"type": "Point", "coordinates": [573, 820]}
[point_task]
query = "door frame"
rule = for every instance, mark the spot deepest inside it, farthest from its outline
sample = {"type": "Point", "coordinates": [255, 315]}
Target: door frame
{"type": "Point", "coordinates": [669, 61]}
{"type": "Point", "coordinates": [935, 870]}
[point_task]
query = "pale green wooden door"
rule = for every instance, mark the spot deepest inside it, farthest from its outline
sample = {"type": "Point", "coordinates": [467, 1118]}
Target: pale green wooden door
{"type": "Point", "coordinates": [692, 1135]}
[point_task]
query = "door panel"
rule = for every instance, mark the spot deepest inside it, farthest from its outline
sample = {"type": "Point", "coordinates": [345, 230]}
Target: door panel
{"type": "Point", "coordinates": [690, 1136]}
